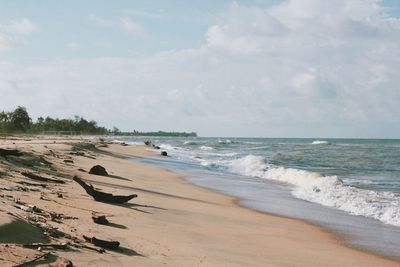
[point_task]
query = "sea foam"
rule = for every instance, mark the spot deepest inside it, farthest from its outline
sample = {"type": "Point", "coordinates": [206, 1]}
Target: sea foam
{"type": "Point", "coordinates": [329, 191]}
{"type": "Point", "coordinates": [206, 148]}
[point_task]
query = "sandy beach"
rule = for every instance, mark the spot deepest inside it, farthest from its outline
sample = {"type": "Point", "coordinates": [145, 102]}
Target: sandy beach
{"type": "Point", "coordinates": [170, 223]}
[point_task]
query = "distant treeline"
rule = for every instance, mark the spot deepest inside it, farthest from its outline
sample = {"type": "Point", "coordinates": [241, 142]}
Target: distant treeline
{"type": "Point", "coordinates": [19, 121]}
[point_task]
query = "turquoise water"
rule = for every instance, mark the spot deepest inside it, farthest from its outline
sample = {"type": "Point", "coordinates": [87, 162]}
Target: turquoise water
{"type": "Point", "coordinates": [351, 186]}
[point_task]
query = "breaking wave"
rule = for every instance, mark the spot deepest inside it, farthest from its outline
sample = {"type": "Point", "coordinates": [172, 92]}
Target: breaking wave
{"type": "Point", "coordinates": [328, 191]}
{"type": "Point", "coordinates": [320, 142]}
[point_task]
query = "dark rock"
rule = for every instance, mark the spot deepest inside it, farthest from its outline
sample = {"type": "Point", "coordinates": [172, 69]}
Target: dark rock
{"type": "Point", "coordinates": [164, 153]}
{"type": "Point", "coordinates": [156, 147]}
{"type": "Point", "coordinates": [98, 170]}
{"type": "Point", "coordinates": [100, 219]}
{"type": "Point", "coordinates": [69, 161]}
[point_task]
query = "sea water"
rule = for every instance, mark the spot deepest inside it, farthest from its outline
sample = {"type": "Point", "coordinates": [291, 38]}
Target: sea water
{"type": "Point", "coordinates": [350, 186]}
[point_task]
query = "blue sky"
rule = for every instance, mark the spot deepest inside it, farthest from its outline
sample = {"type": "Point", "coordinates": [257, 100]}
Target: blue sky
{"type": "Point", "coordinates": [169, 25]}
{"type": "Point", "coordinates": [294, 68]}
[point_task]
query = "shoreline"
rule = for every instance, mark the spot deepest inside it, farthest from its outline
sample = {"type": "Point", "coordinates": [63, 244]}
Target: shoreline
{"type": "Point", "coordinates": [239, 202]}
{"type": "Point", "coordinates": [174, 222]}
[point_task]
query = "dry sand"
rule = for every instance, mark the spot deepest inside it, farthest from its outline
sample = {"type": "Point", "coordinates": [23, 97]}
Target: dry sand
{"type": "Point", "coordinates": [171, 223]}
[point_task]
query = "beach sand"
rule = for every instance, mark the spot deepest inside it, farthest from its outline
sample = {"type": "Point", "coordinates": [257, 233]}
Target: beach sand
{"type": "Point", "coordinates": [170, 223]}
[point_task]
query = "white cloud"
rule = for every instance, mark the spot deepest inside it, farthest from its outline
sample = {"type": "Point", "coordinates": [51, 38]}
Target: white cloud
{"type": "Point", "coordinates": [130, 26]}
{"type": "Point", "coordinates": [124, 23]}
{"type": "Point", "coordinates": [302, 68]}
{"type": "Point", "coordinates": [11, 33]}
{"type": "Point", "coordinates": [23, 26]}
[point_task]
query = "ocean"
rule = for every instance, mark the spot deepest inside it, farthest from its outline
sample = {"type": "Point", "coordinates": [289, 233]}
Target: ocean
{"type": "Point", "coordinates": [348, 186]}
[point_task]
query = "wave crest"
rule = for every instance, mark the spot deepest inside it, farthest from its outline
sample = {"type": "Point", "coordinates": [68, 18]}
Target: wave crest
{"type": "Point", "coordinates": [328, 191]}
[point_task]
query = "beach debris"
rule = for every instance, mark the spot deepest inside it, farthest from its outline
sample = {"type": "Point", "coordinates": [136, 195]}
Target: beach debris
{"type": "Point", "coordinates": [81, 170]}
{"type": "Point", "coordinates": [41, 178]}
{"type": "Point", "coordinates": [29, 263]}
{"type": "Point", "coordinates": [10, 152]}
{"type": "Point", "coordinates": [102, 145]}
{"type": "Point", "coordinates": [147, 143]}
{"type": "Point", "coordinates": [164, 153]}
{"type": "Point", "coordinates": [31, 184]}
{"type": "Point", "coordinates": [15, 188]}
{"type": "Point", "coordinates": [101, 219]}
{"type": "Point", "coordinates": [68, 161]}
{"type": "Point", "coordinates": [102, 243]}
{"type": "Point", "coordinates": [61, 262]}
{"type": "Point", "coordinates": [98, 170]}
{"type": "Point", "coordinates": [101, 196]}
{"type": "Point", "coordinates": [27, 207]}
{"type": "Point", "coordinates": [124, 144]}
{"type": "Point", "coordinates": [77, 153]}
{"type": "Point", "coordinates": [41, 246]}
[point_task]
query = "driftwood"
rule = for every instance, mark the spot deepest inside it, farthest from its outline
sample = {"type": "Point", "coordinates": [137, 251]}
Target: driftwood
{"type": "Point", "coordinates": [10, 152]}
{"type": "Point", "coordinates": [28, 263]}
{"type": "Point", "coordinates": [102, 243]}
{"type": "Point", "coordinates": [100, 219]}
{"type": "Point", "coordinates": [101, 196]}
{"type": "Point", "coordinates": [31, 184]}
{"type": "Point", "coordinates": [41, 178]}
{"type": "Point", "coordinates": [45, 246]}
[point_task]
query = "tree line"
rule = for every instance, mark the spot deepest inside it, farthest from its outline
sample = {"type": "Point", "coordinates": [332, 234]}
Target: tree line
{"type": "Point", "coordinates": [19, 121]}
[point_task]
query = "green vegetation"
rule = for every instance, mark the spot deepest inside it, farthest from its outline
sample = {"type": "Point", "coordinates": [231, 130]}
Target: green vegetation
{"type": "Point", "coordinates": [19, 121]}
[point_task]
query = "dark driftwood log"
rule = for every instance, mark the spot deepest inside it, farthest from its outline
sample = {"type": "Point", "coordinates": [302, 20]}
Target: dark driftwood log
{"type": "Point", "coordinates": [41, 178]}
{"type": "Point", "coordinates": [101, 196]}
{"type": "Point", "coordinates": [10, 152]}
{"type": "Point", "coordinates": [102, 243]}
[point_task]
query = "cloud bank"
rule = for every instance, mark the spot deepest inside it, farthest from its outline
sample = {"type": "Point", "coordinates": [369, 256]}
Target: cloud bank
{"type": "Point", "coordinates": [300, 68]}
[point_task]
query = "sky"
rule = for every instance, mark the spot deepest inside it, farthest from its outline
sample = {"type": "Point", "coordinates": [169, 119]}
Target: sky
{"type": "Point", "coordinates": [278, 68]}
